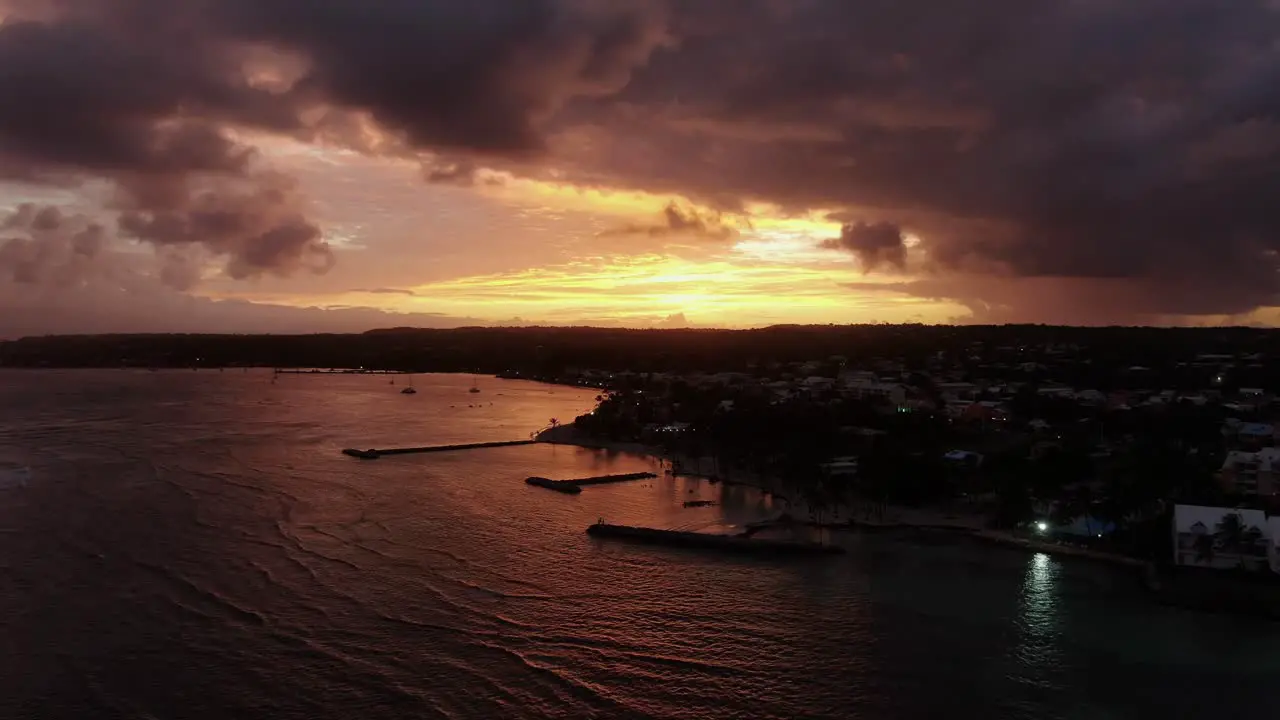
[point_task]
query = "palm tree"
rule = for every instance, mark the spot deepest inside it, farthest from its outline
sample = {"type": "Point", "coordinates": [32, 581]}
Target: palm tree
{"type": "Point", "coordinates": [551, 426]}
{"type": "Point", "coordinates": [1249, 541]}
{"type": "Point", "coordinates": [1204, 548]}
{"type": "Point", "coordinates": [1230, 534]}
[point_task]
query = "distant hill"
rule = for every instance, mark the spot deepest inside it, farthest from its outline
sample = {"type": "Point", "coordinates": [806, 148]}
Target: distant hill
{"type": "Point", "coordinates": [543, 350]}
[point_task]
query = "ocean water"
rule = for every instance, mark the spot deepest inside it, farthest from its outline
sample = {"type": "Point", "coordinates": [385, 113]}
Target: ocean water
{"type": "Point", "coordinates": [183, 544]}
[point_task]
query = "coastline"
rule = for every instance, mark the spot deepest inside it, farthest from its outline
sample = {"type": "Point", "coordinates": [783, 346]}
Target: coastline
{"type": "Point", "coordinates": [889, 518]}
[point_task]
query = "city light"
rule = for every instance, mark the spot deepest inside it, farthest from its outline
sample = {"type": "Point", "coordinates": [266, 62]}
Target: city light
{"type": "Point", "coordinates": [1042, 526]}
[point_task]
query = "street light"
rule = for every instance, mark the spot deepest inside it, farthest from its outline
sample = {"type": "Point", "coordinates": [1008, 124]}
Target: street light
{"type": "Point", "coordinates": [1042, 526]}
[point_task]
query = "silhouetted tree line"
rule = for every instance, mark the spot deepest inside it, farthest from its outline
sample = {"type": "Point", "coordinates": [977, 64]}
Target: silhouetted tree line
{"type": "Point", "coordinates": [1103, 358]}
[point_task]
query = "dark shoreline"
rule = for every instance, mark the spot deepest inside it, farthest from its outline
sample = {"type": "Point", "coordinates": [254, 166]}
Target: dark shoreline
{"type": "Point", "coordinates": [1188, 588]}
{"type": "Point", "coordinates": [566, 435]}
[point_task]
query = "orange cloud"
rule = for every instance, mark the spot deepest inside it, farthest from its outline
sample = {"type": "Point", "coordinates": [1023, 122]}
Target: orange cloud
{"type": "Point", "coordinates": [712, 292]}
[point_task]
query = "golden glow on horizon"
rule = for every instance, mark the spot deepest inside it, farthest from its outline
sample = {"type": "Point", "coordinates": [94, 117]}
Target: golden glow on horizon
{"type": "Point", "coordinates": [643, 290]}
{"type": "Point", "coordinates": [772, 271]}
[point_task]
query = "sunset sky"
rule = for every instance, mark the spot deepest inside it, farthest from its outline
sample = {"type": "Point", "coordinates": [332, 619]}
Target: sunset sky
{"type": "Point", "coordinates": [297, 166]}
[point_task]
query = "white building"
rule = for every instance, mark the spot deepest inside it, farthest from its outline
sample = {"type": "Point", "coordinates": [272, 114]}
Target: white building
{"type": "Point", "coordinates": [1251, 473]}
{"type": "Point", "coordinates": [1207, 537]}
{"type": "Point", "coordinates": [890, 392]}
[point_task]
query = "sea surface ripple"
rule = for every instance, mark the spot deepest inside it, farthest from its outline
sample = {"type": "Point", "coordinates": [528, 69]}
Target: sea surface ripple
{"type": "Point", "coordinates": [182, 544]}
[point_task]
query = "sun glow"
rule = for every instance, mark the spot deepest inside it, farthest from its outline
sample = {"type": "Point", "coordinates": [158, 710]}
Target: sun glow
{"type": "Point", "coordinates": [713, 292]}
{"type": "Point", "coordinates": [644, 290]}
{"type": "Point", "coordinates": [559, 253]}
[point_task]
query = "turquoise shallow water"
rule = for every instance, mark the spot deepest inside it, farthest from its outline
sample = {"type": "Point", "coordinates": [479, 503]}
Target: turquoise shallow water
{"type": "Point", "coordinates": [192, 545]}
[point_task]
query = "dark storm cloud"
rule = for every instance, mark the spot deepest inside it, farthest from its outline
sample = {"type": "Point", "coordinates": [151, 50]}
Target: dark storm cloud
{"type": "Point", "coordinates": [145, 84]}
{"type": "Point", "coordinates": [875, 245]}
{"type": "Point", "coordinates": [677, 220]}
{"type": "Point", "coordinates": [39, 245]}
{"type": "Point", "coordinates": [462, 174]}
{"type": "Point", "coordinates": [474, 76]}
{"type": "Point", "coordinates": [146, 94]}
{"type": "Point", "coordinates": [1128, 143]}
{"type": "Point", "coordinates": [90, 96]}
{"type": "Point", "coordinates": [257, 228]}
{"type": "Point", "coordinates": [1087, 139]}
{"type": "Point", "coordinates": [79, 96]}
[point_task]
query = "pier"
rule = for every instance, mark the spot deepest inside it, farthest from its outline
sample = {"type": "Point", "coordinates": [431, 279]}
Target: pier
{"type": "Point", "coordinates": [732, 543]}
{"type": "Point", "coordinates": [694, 475]}
{"type": "Point", "coordinates": [573, 487]}
{"type": "Point", "coordinates": [563, 486]}
{"type": "Point", "coordinates": [374, 454]}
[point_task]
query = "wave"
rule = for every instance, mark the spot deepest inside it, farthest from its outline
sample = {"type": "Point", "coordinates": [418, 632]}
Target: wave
{"type": "Point", "coordinates": [537, 592]}
{"type": "Point", "coordinates": [567, 687]}
{"type": "Point", "coordinates": [366, 673]}
{"type": "Point", "coordinates": [499, 594]}
{"type": "Point", "coordinates": [611, 649]}
{"type": "Point", "coordinates": [211, 598]}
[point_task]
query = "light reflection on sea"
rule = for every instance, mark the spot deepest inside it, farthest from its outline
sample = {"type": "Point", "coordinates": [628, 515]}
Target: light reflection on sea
{"type": "Point", "coordinates": [193, 545]}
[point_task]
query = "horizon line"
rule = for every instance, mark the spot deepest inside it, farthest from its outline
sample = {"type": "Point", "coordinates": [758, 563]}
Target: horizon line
{"type": "Point", "coordinates": [649, 329]}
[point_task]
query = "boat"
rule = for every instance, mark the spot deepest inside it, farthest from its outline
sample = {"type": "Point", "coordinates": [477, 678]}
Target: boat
{"type": "Point", "coordinates": [474, 387]}
{"type": "Point", "coordinates": [409, 390]}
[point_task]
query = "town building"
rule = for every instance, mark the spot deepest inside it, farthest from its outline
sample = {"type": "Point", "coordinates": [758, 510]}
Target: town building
{"type": "Point", "coordinates": [1251, 473]}
{"type": "Point", "coordinates": [892, 393]}
{"type": "Point", "coordinates": [1225, 538]}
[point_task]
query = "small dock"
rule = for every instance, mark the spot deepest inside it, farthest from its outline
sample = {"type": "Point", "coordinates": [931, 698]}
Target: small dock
{"type": "Point", "coordinates": [563, 486]}
{"type": "Point", "coordinates": [573, 487]}
{"type": "Point", "coordinates": [694, 475]}
{"type": "Point", "coordinates": [730, 543]}
{"type": "Point", "coordinates": [374, 454]}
